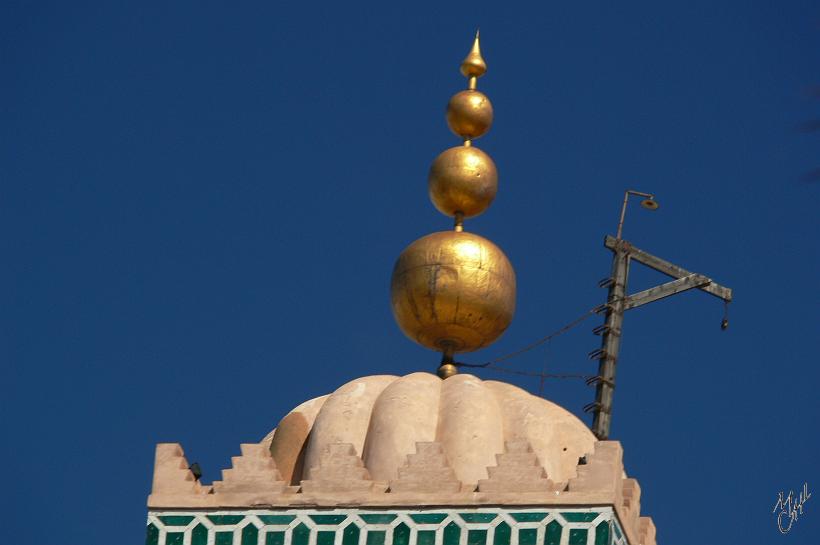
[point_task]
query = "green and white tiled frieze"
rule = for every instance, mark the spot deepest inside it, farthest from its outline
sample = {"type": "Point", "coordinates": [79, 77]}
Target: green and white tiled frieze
{"type": "Point", "coordinates": [454, 526]}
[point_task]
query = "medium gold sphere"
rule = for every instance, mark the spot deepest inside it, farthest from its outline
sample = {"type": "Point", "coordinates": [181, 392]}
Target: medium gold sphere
{"type": "Point", "coordinates": [462, 179]}
{"type": "Point", "coordinates": [453, 291]}
{"type": "Point", "coordinates": [469, 114]}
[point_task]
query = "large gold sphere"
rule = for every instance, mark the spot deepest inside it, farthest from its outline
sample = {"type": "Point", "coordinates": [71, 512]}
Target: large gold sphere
{"type": "Point", "coordinates": [469, 114]}
{"type": "Point", "coordinates": [453, 291]}
{"type": "Point", "coordinates": [462, 179]}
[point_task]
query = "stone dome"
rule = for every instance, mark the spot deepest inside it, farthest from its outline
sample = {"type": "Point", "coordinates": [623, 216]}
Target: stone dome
{"type": "Point", "coordinates": [383, 417]}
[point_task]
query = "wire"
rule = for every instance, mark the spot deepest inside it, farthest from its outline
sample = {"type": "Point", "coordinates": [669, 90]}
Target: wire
{"type": "Point", "coordinates": [536, 344]}
{"type": "Point", "coordinates": [543, 371]}
{"type": "Point", "coordinates": [532, 374]}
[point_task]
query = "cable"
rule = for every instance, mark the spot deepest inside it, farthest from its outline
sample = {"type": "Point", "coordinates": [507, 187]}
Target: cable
{"type": "Point", "coordinates": [532, 374]}
{"type": "Point", "coordinates": [537, 343]}
{"type": "Point", "coordinates": [543, 371]}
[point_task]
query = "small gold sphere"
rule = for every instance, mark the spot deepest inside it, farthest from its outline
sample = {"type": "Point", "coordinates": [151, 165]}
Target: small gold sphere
{"type": "Point", "coordinates": [446, 370]}
{"type": "Point", "coordinates": [462, 179]}
{"type": "Point", "coordinates": [453, 291]}
{"type": "Point", "coordinates": [469, 114]}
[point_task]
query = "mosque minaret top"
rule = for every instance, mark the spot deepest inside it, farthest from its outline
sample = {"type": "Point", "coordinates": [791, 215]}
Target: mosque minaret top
{"type": "Point", "coordinates": [419, 459]}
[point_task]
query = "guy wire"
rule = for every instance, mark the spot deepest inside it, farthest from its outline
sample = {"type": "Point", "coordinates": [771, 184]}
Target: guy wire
{"type": "Point", "coordinates": [536, 344]}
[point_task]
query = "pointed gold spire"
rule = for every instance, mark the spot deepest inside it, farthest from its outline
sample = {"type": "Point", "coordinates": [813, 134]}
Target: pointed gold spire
{"type": "Point", "coordinates": [473, 66]}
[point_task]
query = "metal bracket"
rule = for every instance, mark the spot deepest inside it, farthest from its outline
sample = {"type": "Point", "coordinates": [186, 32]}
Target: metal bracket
{"type": "Point", "coordinates": [601, 329]}
{"type": "Point", "coordinates": [665, 267]}
{"type": "Point", "coordinates": [606, 282]}
{"type": "Point", "coordinates": [598, 354]}
{"type": "Point", "coordinates": [600, 308]}
{"type": "Point", "coordinates": [665, 290]}
{"type": "Point", "coordinates": [589, 407]}
{"type": "Point", "coordinates": [591, 381]}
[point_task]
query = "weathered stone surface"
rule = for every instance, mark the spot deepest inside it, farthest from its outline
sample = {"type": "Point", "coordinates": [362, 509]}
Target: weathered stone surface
{"type": "Point", "coordinates": [172, 474]}
{"type": "Point", "coordinates": [631, 502]}
{"type": "Point", "coordinates": [469, 427]}
{"type": "Point", "coordinates": [603, 471]}
{"type": "Point", "coordinates": [289, 440]}
{"type": "Point", "coordinates": [405, 414]}
{"type": "Point", "coordinates": [556, 436]}
{"type": "Point", "coordinates": [515, 450]}
{"type": "Point", "coordinates": [647, 533]}
{"type": "Point", "coordinates": [384, 416]}
{"type": "Point", "coordinates": [426, 471]}
{"type": "Point", "coordinates": [252, 472]}
{"type": "Point", "coordinates": [340, 470]}
{"type": "Point", "coordinates": [518, 470]}
{"type": "Point", "coordinates": [344, 418]}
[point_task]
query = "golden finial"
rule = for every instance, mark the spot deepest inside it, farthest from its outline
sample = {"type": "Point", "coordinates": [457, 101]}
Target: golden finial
{"type": "Point", "coordinates": [454, 291]}
{"type": "Point", "coordinates": [463, 180]}
{"type": "Point", "coordinates": [473, 66]}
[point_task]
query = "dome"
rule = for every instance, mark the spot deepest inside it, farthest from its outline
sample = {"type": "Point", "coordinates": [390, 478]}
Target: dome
{"type": "Point", "coordinates": [383, 417]}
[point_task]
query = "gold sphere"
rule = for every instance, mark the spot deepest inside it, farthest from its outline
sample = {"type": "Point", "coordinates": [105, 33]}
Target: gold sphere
{"type": "Point", "coordinates": [462, 179]}
{"type": "Point", "coordinates": [446, 370]}
{"type": "Point", "coordinates": [453, 291]}
{"type": "Point", "coordinates": [469, 114]}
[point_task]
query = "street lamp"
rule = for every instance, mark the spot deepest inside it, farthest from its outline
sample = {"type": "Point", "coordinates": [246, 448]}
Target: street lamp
{"type": "Point", "coordinates": [648, 202]}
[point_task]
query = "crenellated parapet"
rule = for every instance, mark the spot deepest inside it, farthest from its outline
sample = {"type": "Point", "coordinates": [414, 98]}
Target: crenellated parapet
{"type": "Point", "coordinates": [630, 502]}
{"type": "Point", "coordinates": [646, 531]}
{"type": "Point", "coordinates": [427, 443]}
{"type": "Point", "coordinates": [253, 480]}
{"type": "Point", "coordinates": [426, 471]}
{"type": "Point", "coordinates": [341, 480]}
{"type": "Point", "coordinates": [518, 470]}
{"type": "Point", "coordinates": [340, 470]}
{"type": "Point", "coordinates": [172, 473]}
{"type": "Point", "coordinates": [602, 470]}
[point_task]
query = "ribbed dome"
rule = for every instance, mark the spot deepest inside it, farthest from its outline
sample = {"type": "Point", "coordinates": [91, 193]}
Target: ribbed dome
{"type": "Point", "coordinates": [384, 416]}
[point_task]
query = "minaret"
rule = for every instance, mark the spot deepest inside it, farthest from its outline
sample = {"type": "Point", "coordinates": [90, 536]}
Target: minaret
{"type": "Point", "coordinates": [454, 291]}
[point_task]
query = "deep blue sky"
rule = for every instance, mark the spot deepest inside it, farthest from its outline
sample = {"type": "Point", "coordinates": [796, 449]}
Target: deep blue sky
{"type": "Point", "coordinates": [201, 204]}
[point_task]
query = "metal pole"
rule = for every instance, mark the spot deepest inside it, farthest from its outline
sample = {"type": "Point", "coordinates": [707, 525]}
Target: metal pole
{"type": "Point", "coordinates": [627, 193]}
{"type": "Point", "coordinates": [623, 215]}
{"type": "Point", "coordinates": [610, 343]}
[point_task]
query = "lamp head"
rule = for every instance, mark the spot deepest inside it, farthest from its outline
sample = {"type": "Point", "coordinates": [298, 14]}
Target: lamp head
{"type": "Point", "coordinates": [650, 204]}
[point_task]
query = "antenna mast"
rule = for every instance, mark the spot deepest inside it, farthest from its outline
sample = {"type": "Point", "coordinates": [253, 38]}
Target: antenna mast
{"type": "Point", "coordinates": [618, 303]}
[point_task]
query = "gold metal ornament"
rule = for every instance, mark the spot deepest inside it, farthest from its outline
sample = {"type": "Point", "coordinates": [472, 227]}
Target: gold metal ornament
{"type": "Point", "coordinates": [469, 114]}
{"type": "Point", "coordinates": [462, 179]}
{"type": "Point", "coordinates": [473, 66]}
{"type": "Point", "coordinates": [446, 370]}
{"type": "Point", "coordinates": [453, 292]}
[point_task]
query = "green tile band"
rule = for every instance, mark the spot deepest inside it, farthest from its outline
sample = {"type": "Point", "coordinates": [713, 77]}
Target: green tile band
{"type": "Point", "coordinates": [478, 517]}
{"type": "Point", "coordinates": [577, 536]}
{"type": "Point", "coordinates": [250, 535]}
{"type": "Point", "coordinates": [452, 534]}
{"type": "Point", "coordinates": [375, 538]}
{"type": "Point", "coordinates": [552, 535]}
{"type": "Point", "coordinates": [579, 517]}
{"type": "Point", "coordinates": [502, 534]}
{"type": "Point", "coordinates": [602, 533]}
{"type": "Point", "coordinates": [175, 520]}
{"type": "Point", "coordinates": [477, 526]}
{"type": "Point", "coordinates": [381, 518]}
